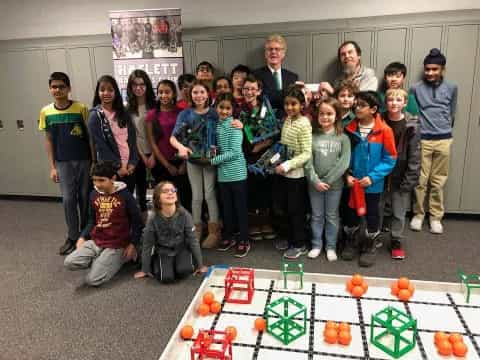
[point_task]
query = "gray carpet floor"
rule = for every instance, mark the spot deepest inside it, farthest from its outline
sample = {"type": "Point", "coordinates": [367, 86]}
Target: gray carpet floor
{"type": "Point", "coordinates": [47, 313]}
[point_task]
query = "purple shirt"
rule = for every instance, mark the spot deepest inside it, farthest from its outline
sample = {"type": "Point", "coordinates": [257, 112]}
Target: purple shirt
{"type": "Point", "coordinates": [166, 120]}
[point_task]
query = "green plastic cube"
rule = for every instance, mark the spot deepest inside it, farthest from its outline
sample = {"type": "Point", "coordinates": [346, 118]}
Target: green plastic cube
{"type": "Point", "coordinates": [286, 319]}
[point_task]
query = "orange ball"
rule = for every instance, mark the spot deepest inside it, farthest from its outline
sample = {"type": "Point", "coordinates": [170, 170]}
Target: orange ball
{"type": "Point", "coordinates": [411, 288]}
{"type": "Point", "coordinates": [330, 335]}
{"type": "Point", "coordinates": [344, 337]}
{"type": "Point", "coordinates": [403, 283]}
{"type": "Point", "coordinates": [343, 326]}
{"type": "Point", "coordinates": [350, 286]}
{"type": "Point", "coordinates": [203, 309]}
{"type": "Point", "coordinates": [260, 324]}
{"type": "Point", "coordinates": [186, 332]}
{"type": "Point", "coordinates": [357, 291]}
{"type": "Point", "coordinates": [444, 348]}
{"type": "Point", "coordinates": [357, 279]}
{"type": "Point", "coordinates": [460, 349]}
{"type": "Point", "coordinates": [394, 288]}
{"type": "Point", "coordinates": [215, 307]}
{"type": "Point", "coordinates": [331, 325]}
{"type": "Point", "coordinates": [364, 286]}
{"type": "Point", "coordinates": [404, 295]}
{"type": "Point", "coordinates": [231, 332]}
{"type": "Point", "coordinates": [455, 337]}
{"type": "Point", "coordinates": [208, 298]}
{"type": "Point", "coordinates": [439, 337]}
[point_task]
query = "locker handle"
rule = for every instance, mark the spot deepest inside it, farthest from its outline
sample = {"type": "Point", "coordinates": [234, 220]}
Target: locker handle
{"type": "Point", "coordinates": [20, 125]}
{"type": "Point", "coordinates": [1, 125]}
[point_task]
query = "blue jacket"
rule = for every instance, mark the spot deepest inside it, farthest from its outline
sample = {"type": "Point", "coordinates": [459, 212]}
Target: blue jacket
{"type": "Point", "coordinates": [374, 156]}
{"type": "Point", "coordinates": [105, 145]}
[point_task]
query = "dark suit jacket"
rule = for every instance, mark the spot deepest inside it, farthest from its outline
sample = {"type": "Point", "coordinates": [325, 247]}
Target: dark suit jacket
{"type": "Point", "coordinates": [276, 97]}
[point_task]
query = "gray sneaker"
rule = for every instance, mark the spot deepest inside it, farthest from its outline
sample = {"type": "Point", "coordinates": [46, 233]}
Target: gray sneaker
{"type": "Point", "coordinates": [295, 253]}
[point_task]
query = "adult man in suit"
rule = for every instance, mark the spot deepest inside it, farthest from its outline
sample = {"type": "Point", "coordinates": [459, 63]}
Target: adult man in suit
{"type": "Point", "coordinates": [275, 80]}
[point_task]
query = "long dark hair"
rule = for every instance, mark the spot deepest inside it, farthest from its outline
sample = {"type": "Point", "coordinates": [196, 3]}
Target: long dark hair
{"type": "Point", "coordinates": [149, 93]}
{"type": "Point", "coordinates": [157, 129]}
{"type": "Point", "coordinates": [123, 118]}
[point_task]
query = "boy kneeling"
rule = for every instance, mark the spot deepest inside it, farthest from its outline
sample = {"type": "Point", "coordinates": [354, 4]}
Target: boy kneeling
{"type": "Point", "coordinates": [114, 226]}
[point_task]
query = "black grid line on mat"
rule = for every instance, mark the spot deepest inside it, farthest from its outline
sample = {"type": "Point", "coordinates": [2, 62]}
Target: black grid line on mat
{"type": "Point", "coordinates": [260, 333]}
{"type": "Point", "coordinates": [362, 329]}
{"type": "Point", "coordinates": [464, 324]}
{"type": "Point", "coordinates": [417, 336]}
{"type": "Point", "coordinates": [366, 298]}
{"type": "Point", "coordinates": [311, 333]}
{"type": "Point", "coordinates": [217, 316]}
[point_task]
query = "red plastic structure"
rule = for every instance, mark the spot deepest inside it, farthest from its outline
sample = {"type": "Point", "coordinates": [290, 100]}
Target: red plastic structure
{"type": "Point", "coordinates": [239, 280]}
{"type": "Point", "coordinates": [211, 344]}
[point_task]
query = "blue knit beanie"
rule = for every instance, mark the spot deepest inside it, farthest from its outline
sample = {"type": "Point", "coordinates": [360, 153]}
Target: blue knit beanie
{"type": "Point", "coordinates": [435, 57]}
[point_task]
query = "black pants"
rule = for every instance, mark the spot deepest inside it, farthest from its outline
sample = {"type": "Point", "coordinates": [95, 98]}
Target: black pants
{"type": "Point", "coordinates": [373, 213]}
{"type": "Point", "coordinates": [169, 268]}
{"type": "Point", "coordinates": [141, 184]}
{"type": "Point", "coordinates": [259, 192]}
{"type": "Point", "coordinates": [235, 209]}
{"type": "Point", "coordinates": [290, 198]}
{"type": "Point", "coordinates": [160, 173]}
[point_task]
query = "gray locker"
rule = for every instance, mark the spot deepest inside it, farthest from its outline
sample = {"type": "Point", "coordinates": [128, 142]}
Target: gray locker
{"type": "Point", "coordinates": [207, 50]}
{"type": "Point", "coordinates": [365, 41]}
{"type": "Point", "coordinates": [256, 52]}
{"type": "Point", "coordinates": [57, 60]}
{"type": "Point", "coordinates": [81, 75]}
{"type": "Point", "coordinates": [102, 56]}
{"type": "Point", "coordinates": [188, 65]}
{"type": "Point", "coordinates": [390, 47]}
{"type": "Point", "coordinates": [297, 55]}
{"type": "Point", "coordinates": [234, 53]}
{"type": "Point", "coordinates": [324, 57]}
{"type": "Point", "coordinates": [423, 39]}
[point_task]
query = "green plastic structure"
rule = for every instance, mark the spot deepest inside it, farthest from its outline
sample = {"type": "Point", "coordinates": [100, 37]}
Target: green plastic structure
{"type": "Point", "coordinates": [292, 268]}
{"type": "Point", "coordinates": [470, 282]}
{"type": "Point", "coordinates": [286, 319]}
{"type": "Point", "coordinates": [393, 327]}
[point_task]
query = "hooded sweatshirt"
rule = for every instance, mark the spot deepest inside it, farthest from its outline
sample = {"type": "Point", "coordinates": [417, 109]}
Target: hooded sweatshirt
{"type": "Point", "coordinates": [113, 219]}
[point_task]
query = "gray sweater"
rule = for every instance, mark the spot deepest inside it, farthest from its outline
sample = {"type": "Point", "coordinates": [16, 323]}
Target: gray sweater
{"type": "Point", "coordinates": [437, 104]}
{"type": "Point", "coordinates": [330, 159]}
{"type": "Point", "coordinates": [168, 236]}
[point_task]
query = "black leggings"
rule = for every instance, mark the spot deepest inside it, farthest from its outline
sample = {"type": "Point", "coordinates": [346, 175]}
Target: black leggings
{"type": "Point", "coordinates": [373, 213]}
{"type": "Point", "coordinates": [167, 269]}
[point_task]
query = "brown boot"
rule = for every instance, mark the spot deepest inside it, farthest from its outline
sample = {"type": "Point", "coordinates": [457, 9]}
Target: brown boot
{"type": "Point", "coordinates": [198, 232]}
{"type": "Point", "coordinates": [213, 238]}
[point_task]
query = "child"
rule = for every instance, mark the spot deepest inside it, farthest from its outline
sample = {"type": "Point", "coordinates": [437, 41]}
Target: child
{"type": "Point", "coordinates": [259, 186]}
{"type": "Point", "coordinates": [114, 226]}
{"type": "Point", "coordinates": [373, 158]}
{"type": "Point", "coordinates": [324, 171]}
{"type": "Point", "coordinates": [437, 102]}
{"type": "Point", "coordinates": [169, 244]}
{"type": "Point", "coordinates": [201, 175]}
{"type": "Point", "coordinates": [237, 77]}
{"type": "Point", "coordinates": [222, 85]}
{"type": "Point", "coordinates": [232, 176]}
{"type": "Point", "coordinates": [393, 78]}
{"type": "Point", "coordinates": [68, 150]}
{"type": "Point", "coordinates": [141, 99]}
{"type": "Point", "coordinates": [345, 94]}
{"type": "Point", "coordinates": [404, 176]}
{"type": "Point", "coordinates": [160, 122]}
{"type": "Point", "coordinates": [205, 73]}
{"type": "Point", "coordinates": [291, 185]}
{"type": "Point", "coordinates": [112, 130]}
{"type": "Point", "coordinates": [184, 82]}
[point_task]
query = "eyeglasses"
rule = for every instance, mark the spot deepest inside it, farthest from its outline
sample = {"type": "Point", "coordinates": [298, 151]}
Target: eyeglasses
{"type": "Point", "coordinates": [250, 89]}
{"type": "Point", "coordinates": [203, 69]}
{"type": "Point", "coordinates": [361, 105]}
{"type": "Point", "coordinates": [166, 191]}
{"type": "Point", "coordinates": [272, 49]}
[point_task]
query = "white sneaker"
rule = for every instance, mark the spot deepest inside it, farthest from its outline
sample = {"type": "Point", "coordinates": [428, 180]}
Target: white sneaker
{"type": "Point", "coordinates": [436, 227]}
{"type": "Point", "coordinates": [416, 223]}
{"type": "Point", "coordinates": [313, 254]}
{"type": "Point", "coordinates": [331, 255]}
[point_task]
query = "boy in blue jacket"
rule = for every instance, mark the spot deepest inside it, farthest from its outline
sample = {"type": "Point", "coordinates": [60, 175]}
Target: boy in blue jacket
{"type": "Point", "coordinates": [373, 158]}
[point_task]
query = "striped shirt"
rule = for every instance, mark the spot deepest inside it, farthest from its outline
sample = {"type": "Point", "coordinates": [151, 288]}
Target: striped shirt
{"type": "Point", "coordinates": [230, 162]}
{"type": "Point", "coordinates": [68, 130]}
{"type": "Point", "coordinates": [297, 135]}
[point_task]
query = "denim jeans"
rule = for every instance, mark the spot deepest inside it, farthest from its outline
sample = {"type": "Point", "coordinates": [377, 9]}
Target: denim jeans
{"type": "Point", "coordinates": [324, 216]}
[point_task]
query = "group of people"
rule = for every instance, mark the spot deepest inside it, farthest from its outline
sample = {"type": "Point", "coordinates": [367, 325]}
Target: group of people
{"type": "Point", "coordinates": [355, 153]}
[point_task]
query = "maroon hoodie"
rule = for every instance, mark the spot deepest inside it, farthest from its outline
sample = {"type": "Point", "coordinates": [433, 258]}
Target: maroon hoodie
{"type": "Point", "coordinates": [114, 219]}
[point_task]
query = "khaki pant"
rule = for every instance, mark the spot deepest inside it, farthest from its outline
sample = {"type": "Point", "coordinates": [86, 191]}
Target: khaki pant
{"type": "Point", "coordinates": [434, 172]}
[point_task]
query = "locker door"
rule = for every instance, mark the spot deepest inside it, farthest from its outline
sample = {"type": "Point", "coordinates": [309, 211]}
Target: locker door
{"type": "Point", "coordinates": [234, 53]}
{"type": "Point", "coordinates": [390, 47]}
{"type": "Point", "coordinates": [365, 40]}
{"type": "Point", "coordinates": [207, 50]}
{"type": "Point", "coordinates": [324, 57]}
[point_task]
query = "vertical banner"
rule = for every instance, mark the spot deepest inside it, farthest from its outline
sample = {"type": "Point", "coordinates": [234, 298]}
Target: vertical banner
{"type": "Point", "coordinates": [150, 40]}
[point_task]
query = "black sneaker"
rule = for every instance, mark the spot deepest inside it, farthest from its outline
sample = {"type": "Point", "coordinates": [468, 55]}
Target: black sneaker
{"type": "Point", "coordinates": [368, 253]}
{"type": "Point", "coordinates": [348, 252]}
{"type": "Point", "coordinates": [242, 250]}
{"type": "Point", "coordinates": [226, 245]}
{"type": "Point", "coordinates": [67, 248]}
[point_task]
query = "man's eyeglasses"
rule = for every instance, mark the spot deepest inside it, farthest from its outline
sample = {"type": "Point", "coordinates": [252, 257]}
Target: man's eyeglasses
{"type": "Point", "coordinates": [272, 49]}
